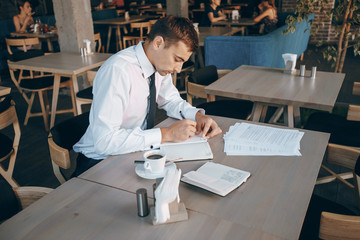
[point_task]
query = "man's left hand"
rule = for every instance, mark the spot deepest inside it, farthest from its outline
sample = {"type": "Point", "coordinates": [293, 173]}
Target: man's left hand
{"type": "Point", "coordinates": [207, 125]}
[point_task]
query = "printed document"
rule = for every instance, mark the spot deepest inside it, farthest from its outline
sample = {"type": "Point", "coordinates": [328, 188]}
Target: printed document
{"type": "Point", "coordinates": [258, 140]}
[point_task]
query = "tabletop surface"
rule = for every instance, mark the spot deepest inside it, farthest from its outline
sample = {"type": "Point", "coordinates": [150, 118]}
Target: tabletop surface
{"type": "Point", "coordinates": [123, 21]}
{"type": "Point", "coordinates": [38, 35]}
{"type": "Point", "coordinates": [215, 31]}
{"type": "Point", "coordinates": [80, 209]}
{"type": "Point", "coordinates": [62, 63]}
{"type": "Point", "coordinates": [240, 22]}
{"type": "Point", "coordinates": [265, 202]}
{"type": "Point", "coordinates": [271, 85]}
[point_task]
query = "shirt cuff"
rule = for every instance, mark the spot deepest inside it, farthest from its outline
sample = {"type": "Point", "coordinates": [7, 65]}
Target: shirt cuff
{"type": "Point", "coordinates": [152, 138]}
{"type": "Point", "coordinates": [191, 113]}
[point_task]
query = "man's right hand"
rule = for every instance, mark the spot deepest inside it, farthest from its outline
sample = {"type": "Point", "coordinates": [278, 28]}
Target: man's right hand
{"type": "Point", "coordinates": [179, 131]}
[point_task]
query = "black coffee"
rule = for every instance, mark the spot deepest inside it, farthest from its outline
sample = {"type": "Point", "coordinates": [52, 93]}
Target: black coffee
{"type": "Point", "coordinates": [154, 156]}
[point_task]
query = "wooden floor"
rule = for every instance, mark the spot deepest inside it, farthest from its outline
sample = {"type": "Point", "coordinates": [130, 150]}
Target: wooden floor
{"type": "Point", "coordinates": [33, 165]}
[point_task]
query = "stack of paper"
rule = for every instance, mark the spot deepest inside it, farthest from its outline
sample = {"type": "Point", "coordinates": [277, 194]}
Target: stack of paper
{"type": "Point", "coordinates": [257, 140]}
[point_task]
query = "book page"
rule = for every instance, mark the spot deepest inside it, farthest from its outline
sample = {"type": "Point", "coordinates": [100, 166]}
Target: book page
{"type": "Point", "coordinates": [209, 183]}
{"type": "Point", "coordinates": [193, 139]}
{"type": "Point", "coordinates": [225, 173]}
{"type": "Point", "coordinates": [216, 178]}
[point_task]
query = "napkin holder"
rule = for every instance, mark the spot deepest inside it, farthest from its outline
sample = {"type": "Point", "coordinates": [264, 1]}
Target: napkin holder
{"type": "Point", "coordinates": [177, 213]}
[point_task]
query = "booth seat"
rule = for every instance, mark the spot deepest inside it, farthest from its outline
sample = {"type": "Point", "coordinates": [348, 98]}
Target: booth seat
{"type": "Point", "coordinates": [230, 52]}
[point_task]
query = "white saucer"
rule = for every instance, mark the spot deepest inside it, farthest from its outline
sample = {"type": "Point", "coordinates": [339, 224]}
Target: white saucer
{"type": "Point", "coordinates": [140, 171]}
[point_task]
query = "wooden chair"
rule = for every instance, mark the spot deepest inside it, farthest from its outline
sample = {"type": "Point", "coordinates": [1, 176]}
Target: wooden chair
{"type": "Point", "coordinates": [195, 87]}
{"type": "Point", "coordinates": [62, 138]}
{"type": "Point", "coordinates": [188, 67]}
{"type": "Point", "coordinates": [331, 220]}
{"type": "Point", "coordinates": [14, 199]}
{"type": "Point", "coordinates": [9, 148]}
{"type": "Point", "coordinates": [97, 39]}
{"type": "Point", "coordinates": [344, 143]}
{"type": "Point", "coordinates": [34, 83]}
{"type": "Point", "coordinates": [85, 96]}
{"type": "Point", "coordinates": [137, 33]}
{"type": "Point", "coordinates": [338, 227]}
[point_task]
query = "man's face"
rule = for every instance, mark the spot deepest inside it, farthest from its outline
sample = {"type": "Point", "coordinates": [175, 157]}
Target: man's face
{"type": "Point", "coordinates": [170, 59]}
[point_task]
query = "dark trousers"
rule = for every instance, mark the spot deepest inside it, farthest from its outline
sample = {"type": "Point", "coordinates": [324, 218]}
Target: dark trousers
{"type": "Point", "coordinates": [83, 163]}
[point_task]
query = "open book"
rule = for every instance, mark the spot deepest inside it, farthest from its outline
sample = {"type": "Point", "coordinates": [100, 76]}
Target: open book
{"type": "Point", "coordinates": [216, 178]}
{"type": "Point", "coordinates": [195, 148]}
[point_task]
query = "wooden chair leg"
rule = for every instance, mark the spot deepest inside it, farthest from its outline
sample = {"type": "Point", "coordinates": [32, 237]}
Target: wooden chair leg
{"type": "Point", "coordinates": [46, 100]}
{"type": "Point", "coordinates": [43, 111]}
{"type": "Point", "coordinates": [78, 107]}
{"type": "Point", "coordinates": [28, 112]}
{"type": "Point", "coordinates": [9, 172]}
{"type": "Point", "coordinates": [58, 173]}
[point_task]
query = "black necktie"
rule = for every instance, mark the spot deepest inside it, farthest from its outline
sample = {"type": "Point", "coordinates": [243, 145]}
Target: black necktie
{"type": "Point", "coordinates": [152, 102]}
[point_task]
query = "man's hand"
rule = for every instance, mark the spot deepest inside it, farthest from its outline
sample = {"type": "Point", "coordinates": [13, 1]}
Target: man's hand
{"type": "Point", "coordinates": [179, 131]}
{"type": "Point", "coordinates": [207, 125]}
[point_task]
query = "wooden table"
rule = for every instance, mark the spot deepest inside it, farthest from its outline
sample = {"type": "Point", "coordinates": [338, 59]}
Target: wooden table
{"type": "Point", "coordinates": [117, 23]}
{"type": "Point", "coordinates": [242, 22]}
{"type": "Point", "coordinates": [213, 31]}
{"type": "Point", "coordinates": [48, 37]}
{"type": "Point", "coordinates": [217, 31]}
{"type": "Point", "coordinates": [273, 201]}
{"type": "Point", "coordinates": [62, 64]}
{"type": "Point", "coordinates": [4, 90]}
{"type": "Point", "coordinates": [80, 209]}
{"type": "Point", "coordinates": [161, 11]}
{"type": "Point", "coordinates": [270, 86]}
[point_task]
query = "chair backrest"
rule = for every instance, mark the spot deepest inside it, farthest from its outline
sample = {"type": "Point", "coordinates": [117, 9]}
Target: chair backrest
{"type": "Point", "coordinates": [354, 110]}
{"type": "Point", "coordinates": [197, 81]}
{"type": "Point", "coordinates": [336, 226]}
{"type": "Point", "coordinates": [91, 76]}
{"type": "Point", "coordinates": [13, 199]}
{"type": "Point", "coordinates": [62, 138]}
{"type": "Point", "coordinates": [23, 42]}
{"type": "Point", "coordinates": [97, 39]}
{"type": "Point", "coordinates": [9, 117]}
{"type": "Point", "coordinates": [141, 26]}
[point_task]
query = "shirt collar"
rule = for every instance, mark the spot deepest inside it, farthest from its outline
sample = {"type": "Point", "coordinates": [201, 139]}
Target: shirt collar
{"type": "Point", "coordinates": [145, 64]}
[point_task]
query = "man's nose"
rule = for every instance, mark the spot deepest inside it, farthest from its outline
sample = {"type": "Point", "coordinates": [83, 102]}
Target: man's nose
{"type": "Point", "coordinates": [178, 67]}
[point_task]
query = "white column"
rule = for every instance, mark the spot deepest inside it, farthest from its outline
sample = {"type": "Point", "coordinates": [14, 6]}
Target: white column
{"type": "Point", "coordinates": [178, 8]}
{"type": "Point", "coordinates": [74, 24]}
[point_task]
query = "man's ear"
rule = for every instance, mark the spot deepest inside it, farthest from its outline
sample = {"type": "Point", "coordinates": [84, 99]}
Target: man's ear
{"type": "Point", "coordinates": [158, 42]}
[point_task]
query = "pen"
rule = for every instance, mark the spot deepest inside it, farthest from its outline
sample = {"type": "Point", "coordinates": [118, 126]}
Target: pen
{"type": "Point", "coordinates": [182, 115]}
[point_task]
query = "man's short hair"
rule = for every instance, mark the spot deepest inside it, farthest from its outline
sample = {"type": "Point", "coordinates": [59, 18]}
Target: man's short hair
{"type": "Point", "coordinates": [174, 29]}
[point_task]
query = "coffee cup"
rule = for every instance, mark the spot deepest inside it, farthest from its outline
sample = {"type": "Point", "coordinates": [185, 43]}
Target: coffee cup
{"type": "Point", "coordinates": [154, 161]}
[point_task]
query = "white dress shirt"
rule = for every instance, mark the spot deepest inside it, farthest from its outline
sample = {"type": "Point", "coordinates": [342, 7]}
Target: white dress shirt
{"type": "Point", "coordinates": [120, 105]}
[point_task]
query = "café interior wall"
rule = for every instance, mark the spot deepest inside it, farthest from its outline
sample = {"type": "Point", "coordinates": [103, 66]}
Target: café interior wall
{"type": "Point", "coordinates": [8, 8]}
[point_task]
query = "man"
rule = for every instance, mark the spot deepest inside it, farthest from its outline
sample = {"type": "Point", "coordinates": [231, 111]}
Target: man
{"type": "Point", "coordinates": [122, 115]}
